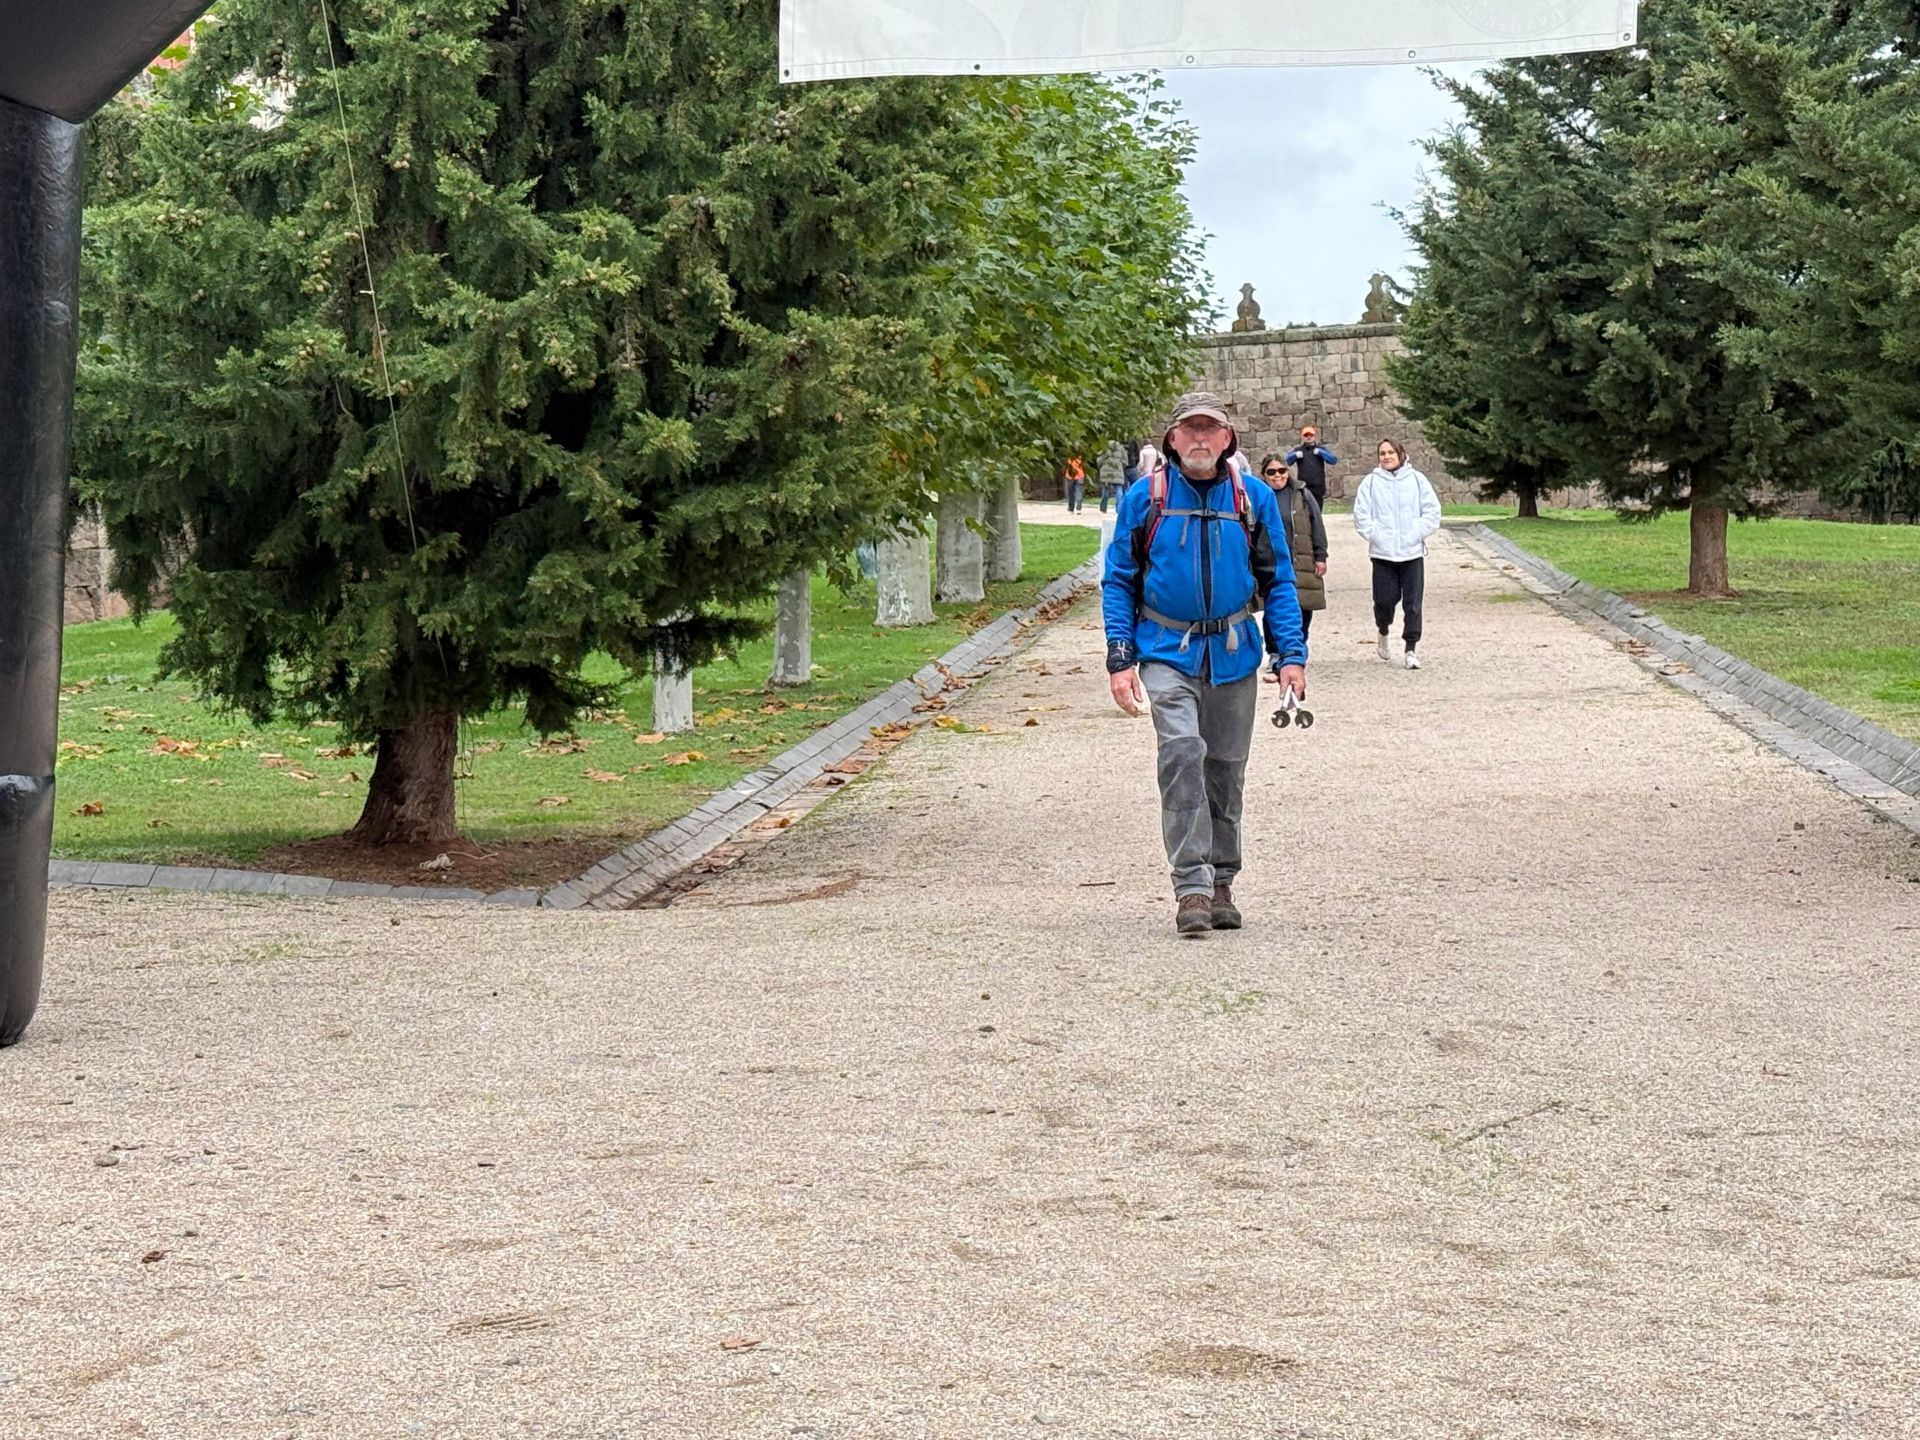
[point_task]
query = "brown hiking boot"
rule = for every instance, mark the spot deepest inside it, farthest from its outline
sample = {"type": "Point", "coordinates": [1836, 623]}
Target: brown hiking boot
{"type": "Point", "coordinates": [1195, 915]}
{"type": "Point", "coordinates": [1226, 915]}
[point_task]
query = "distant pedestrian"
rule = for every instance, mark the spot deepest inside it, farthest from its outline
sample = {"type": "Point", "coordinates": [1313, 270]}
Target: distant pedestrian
{"type": "Point", "coordinates": [1310, 460]}
{"type": "Point", "coordinates": [1076, 476]}
{"type": "Point", "coordinates": [1113, 473]}
{"type": "Point", "coordinates": [1306, 532]}
{"type": "Point", "coordinates": [1134, 453]}
{"type": "Point", "coordinates": [1150, 458]}
{"type": "Point", "coordinates": [1395, 512]}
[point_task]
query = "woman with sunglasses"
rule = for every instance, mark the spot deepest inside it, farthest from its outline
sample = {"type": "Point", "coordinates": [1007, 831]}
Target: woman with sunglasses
{"type": "Point", "coordinates": [1306, 533]}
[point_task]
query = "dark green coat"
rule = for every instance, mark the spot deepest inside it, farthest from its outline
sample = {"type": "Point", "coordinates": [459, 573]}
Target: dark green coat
{"type": "Point", "coordinates": [1307, 538]}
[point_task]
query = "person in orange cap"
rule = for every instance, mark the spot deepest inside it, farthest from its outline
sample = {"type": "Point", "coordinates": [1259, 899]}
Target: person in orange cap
{"type": "Point", "coordinates": [1310, 460]}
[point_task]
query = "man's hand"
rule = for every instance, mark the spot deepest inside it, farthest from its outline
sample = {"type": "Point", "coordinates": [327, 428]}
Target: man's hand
{"type": "Point", "coordinates": [1128, 693]}
{"type": "Point", "coordinates": [1293, 676]}
{"type": "Point", "coordinates": [1319, 567]}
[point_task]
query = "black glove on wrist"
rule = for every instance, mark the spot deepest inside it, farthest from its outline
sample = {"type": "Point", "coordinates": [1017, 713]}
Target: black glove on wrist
{"type": "Point", "coordinates": [1121, 655]}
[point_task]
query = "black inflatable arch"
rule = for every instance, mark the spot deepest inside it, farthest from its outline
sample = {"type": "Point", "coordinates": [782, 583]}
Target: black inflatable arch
{"type": "Point", "coordinates": [60, 63]}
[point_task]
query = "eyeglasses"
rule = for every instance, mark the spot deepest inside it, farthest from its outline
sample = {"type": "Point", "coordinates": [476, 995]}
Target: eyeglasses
{"type": "Point", "coordinates": [1273, 470]}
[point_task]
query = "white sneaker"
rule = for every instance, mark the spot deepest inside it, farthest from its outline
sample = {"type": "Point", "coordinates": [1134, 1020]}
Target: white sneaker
{"type": "Point", "coordinates": [1383, 650]}
{"type": "Point", "coordinates": [1413, 661]}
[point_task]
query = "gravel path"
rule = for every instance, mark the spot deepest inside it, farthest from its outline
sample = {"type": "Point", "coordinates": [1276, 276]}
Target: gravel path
{"type": "Point", "coordinates": [1562, 1085]}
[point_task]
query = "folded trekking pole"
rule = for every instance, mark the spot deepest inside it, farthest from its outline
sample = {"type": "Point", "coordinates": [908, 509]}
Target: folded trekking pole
{"type": "Point", "coordinates": [1292, 712]}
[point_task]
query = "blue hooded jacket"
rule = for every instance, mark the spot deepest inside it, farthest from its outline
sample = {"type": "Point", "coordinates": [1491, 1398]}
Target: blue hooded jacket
{"type": "Point", "coordinates": [1202, 570]}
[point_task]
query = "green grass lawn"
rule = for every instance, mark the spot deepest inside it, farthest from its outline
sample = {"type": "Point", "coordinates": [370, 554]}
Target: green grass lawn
{"type": "Point", "coordinates": [147, 773]}
{"type": "Point", "coordinates": [1832, 607]}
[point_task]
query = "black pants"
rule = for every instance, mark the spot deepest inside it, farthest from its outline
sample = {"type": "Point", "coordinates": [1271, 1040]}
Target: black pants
{"type": "Point", "coordinates": [1306, 624]}
{"type": "Point", "coordinates": [1402, 583]}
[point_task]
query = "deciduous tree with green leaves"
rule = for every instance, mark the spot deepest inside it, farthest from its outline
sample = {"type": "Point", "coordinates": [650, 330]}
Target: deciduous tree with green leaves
{"type": "Point", "coordinates": [1071, 292]}
{"type": "Point", "coordinates": [640, 346]}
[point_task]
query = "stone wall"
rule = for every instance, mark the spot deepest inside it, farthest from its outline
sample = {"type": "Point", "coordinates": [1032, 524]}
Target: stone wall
{"type": "Point", "coordinates": [89, 562]}
{"type": "Point", "coordinates": [1334, 377]}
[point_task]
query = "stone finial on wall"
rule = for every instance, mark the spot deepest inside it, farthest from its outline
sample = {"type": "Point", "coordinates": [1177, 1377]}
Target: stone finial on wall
{"type": "Point", "coordinates": [1249, 313]}
{"type": "Point", "coordinates": [1383, 308]}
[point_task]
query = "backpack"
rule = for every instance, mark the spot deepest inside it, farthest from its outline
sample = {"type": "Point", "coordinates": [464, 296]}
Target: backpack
{"type": "Point", "coordinates": [1133, 452]}
{"type": "Point", "coordinates": [1160, 486]}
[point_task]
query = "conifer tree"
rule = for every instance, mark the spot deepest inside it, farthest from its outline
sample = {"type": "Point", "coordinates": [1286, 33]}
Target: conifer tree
{"type": "Point", "coordinates": [639, 350]}
{"type": "Point", "coordinates": [1653, 142]}
{"type": "Point", "coordinates": [1830, 254]}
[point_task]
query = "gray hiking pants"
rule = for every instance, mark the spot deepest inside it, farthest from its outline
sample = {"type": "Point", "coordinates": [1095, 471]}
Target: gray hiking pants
{"type": "Point", "coordinates": [1205, 732]}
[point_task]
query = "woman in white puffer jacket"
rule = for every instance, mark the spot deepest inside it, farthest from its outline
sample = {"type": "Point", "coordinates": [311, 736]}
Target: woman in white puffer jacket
{"type": "Point", "coordinates": [1395, 511]}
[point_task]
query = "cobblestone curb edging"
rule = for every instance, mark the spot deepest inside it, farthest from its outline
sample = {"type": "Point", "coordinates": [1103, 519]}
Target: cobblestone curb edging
{"type": "Point", "coordinates": [659, 857]}
{"type": "Point", "coordinates": [644, 867]}
{"type": "Point", "coordinates": [1868, 762]}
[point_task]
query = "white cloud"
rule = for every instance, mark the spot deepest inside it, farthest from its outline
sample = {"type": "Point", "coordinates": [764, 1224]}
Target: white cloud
{"type": "Point", "coordinates": [1293, 171]}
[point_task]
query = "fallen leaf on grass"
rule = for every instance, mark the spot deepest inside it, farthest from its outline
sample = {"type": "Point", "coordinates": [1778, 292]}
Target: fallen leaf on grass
{"type": "Point", "coordinates": [213, 784]}
{"type": "Point", "coordinates": [556, 745]}
{"type": "Point", "coordinates": [159, 824]}
{"type": "Point", "coordinates": [274, 761]}
{"type": "Point", "coordinates": [554, 801]}
{"type": "Point", "coordinates": [92, 807]}
{"type": "Point", "coordinates": [186, 749]}
{"type": "Point", "coordinates": [337, 752]}
{"type": "Point", "coordinates": [603, 777]}
{"type": "Point", "coordinates": [685, 757]}
{"type": "Point", "coordinates": [650, 739]}
{"type": "Point", "coordinates": [301, 775]}
{"type": "Point", "coordinates": [738, 1343]}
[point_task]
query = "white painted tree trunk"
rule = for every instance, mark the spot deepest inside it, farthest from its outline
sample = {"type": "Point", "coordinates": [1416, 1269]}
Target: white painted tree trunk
{"type": "Point", "coordinates": [905, 581]}
{"type": "Point", "coordinates": [793, 631]}
{"type": "Point", "coordinates": [1004, 560]}
{"type": "Point", "coordinates": [672, 695]}
{"type": "Point", "coordinates": [960, 566]}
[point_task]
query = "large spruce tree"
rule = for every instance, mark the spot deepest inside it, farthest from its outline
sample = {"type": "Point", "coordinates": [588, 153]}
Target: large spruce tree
{"type": "Point", "coordinates": [1654, 150]}
{"type": "Point", "coordinates": [1829, 255]}
{"type": "Point", "coordinates": [638, 350]}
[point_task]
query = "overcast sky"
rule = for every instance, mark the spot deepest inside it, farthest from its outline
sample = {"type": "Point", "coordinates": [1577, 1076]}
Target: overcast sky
{"type": "Point", "coordinates": [1293, 168]}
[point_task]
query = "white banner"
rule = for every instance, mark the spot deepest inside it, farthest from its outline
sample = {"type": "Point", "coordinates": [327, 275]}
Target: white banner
{"type": "Point", "coordinates": [835, 39]}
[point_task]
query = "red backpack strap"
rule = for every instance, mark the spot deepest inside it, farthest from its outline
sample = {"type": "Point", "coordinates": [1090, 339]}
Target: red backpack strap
{"type": "Point", "coordinates": [1158, 488]}
{"type": "Point", "coordinates": [1243, 505]}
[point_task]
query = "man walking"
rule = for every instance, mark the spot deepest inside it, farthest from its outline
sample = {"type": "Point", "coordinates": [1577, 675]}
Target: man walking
{"type": "Point", "coordinates": [1197, 553]}
{"type": "Point", "coordinates": [1113, 473]}
{"type": "Point", "coordinates": [1310, 460]}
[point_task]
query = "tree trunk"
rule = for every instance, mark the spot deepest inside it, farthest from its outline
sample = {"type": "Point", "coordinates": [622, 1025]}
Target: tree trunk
{"type": "Point", "coordinates": [960, 568]}
{"type": "Point", "coordinates": [410, 798]}
{"type": "Point", "coordinates": [1707, 557]}
{"type": "Point", "coordinates": [1004, 558]}
{"type": "Point", "coordinates": [1529, 501]}
{"type": "Point", "coordinates": [793, 631]}
{"type": "Point", "coordinates": [904, 582]}
{"type": "Point", "coordinates": [672, 697]}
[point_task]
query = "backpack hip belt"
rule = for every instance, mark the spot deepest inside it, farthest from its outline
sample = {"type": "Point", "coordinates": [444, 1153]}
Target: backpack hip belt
{"type": "Point", "coordinates": [1229, 627]}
